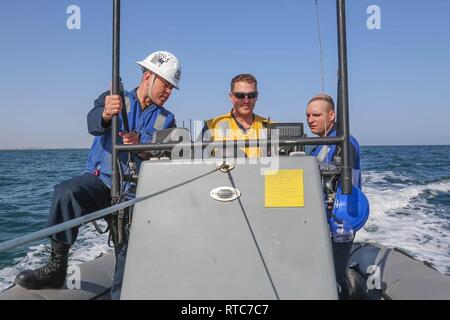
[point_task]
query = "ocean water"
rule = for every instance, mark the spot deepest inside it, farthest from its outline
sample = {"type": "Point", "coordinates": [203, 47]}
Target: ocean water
{"type": "Point", "coordinates": [408, 189]}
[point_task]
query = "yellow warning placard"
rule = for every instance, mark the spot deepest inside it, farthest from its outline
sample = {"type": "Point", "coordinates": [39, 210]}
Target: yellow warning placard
{"type": "Point", "coordinates": [284, 188]}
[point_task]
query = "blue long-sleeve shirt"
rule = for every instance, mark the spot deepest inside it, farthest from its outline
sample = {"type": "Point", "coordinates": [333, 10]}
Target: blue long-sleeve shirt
{"type": "Point", "coordinates": [145, 122]}
{"type": "Point", "coordinates": [326, 154]}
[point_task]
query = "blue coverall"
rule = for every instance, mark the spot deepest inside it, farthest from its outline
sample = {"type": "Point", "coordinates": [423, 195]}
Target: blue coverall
{"type": "Point", "coordinates": [91, 190]}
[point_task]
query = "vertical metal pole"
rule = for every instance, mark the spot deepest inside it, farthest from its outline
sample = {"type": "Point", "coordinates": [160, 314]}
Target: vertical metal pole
{"type": "Point", "coordinates": [338, 110]}
{"type": "Point", "coordinates": [115, 90]}
{"type": "Point", "coordinates": [190, 128]}
{"type": "Point", "coordinates": [346, 171]}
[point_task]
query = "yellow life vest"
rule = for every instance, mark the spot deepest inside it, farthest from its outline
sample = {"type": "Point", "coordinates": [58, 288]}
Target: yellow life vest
{"type": "Point", "coordinates": [225, 127]}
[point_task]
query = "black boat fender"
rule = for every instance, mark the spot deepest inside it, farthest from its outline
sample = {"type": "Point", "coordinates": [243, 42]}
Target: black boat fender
{"type": "Point", "coordinates": [376, 272]}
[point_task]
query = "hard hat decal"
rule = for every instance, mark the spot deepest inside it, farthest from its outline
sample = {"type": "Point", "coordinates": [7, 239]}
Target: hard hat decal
{"type": "Point", "coordinates": [160, 58]}
{"type": "Point", "coordinates": [158, 61]}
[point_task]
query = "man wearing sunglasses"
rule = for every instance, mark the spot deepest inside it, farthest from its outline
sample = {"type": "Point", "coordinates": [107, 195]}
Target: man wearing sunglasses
{"type": "Point", "coordinates": [240, 123]}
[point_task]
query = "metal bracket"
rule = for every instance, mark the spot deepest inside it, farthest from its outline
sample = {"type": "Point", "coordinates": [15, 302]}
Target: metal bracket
{"type": "Point", "coordinates": [225, 166]}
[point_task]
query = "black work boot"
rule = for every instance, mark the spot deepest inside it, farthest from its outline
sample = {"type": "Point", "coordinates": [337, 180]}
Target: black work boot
{"type": "Point", "coordinates": [51, 275]}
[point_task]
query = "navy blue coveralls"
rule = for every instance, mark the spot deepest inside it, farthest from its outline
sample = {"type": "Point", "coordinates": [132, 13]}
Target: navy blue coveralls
{"type": "Point", "coordinates": [91, 190]}
{"type": "Point", "coordinates": [341, 251]}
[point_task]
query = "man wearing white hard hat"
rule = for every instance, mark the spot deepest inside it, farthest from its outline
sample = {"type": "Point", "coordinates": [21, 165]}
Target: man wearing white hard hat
{"type": "Point", "coordinates": [91, 190]}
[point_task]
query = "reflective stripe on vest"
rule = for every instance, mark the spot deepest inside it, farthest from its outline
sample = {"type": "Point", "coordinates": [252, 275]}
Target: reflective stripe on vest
{"type": "Point", "coordinates": [323, 153]}
{"type": "Point", "coordinates": [127, 103]}
{"type": "Point", "coordinates": [159, 122]}
{"type": "Point", "coordinates": [220, 131]}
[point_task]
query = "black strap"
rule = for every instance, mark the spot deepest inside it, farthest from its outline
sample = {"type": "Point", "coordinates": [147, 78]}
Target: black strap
{"type": "Point", "coordinates": [98, 229]}
{"type": "Point", "coordinates": [126, 126]}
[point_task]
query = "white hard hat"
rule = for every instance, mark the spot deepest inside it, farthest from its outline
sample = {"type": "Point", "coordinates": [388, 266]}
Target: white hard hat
{"type": "Point", "coordinates": [165, 65]}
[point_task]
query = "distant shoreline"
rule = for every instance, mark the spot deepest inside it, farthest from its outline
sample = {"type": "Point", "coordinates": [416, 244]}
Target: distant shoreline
{"type": "Point", "coordinates": [87, 148]}
{"type": "Point", "coordinates": [42, 149]}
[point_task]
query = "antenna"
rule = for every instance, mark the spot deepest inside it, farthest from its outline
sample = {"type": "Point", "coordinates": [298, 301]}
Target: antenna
{"type": "Point", "coordinates": [322, 71]}
{"type": "Point", "coordinates": [269, 138]}
{"type": "Point", "coordinates": [190, 128]}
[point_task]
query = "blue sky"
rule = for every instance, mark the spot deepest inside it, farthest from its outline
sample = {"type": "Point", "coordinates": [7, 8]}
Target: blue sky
{"type": "Point", "coordinates": [399, 75]}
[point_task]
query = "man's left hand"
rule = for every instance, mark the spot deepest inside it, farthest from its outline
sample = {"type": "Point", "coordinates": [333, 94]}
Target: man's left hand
{"type": "Point", "coordinates": [130, 138]}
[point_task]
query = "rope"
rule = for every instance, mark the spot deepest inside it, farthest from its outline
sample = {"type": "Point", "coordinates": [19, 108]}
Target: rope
{"type": "Point", "coordinates": [322, 68]}
{"type": "Point", "coordinates": [322, 72]}
{"type": "Point", "coordinates": [254, 239]}
{"type": "Point", "coordinates": [10, 244]}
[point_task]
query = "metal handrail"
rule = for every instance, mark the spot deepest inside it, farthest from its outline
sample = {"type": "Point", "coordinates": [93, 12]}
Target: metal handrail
{"type": "Point", "coordinates": [46, 232]}
{"type": "Point", "coordinates": [282, 142]}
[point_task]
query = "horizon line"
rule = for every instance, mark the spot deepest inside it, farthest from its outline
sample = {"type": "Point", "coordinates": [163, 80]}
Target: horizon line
{"type": "Point", "coordinates": [87, 148]}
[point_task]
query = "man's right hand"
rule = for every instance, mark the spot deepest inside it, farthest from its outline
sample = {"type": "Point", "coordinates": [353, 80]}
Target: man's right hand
{"type": "Point", "coordinates": [113, 106]}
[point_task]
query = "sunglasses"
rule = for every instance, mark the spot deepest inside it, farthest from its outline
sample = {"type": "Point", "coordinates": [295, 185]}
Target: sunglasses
{"type": "Point", "coordinates": [242, 95]}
